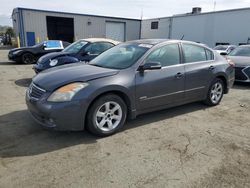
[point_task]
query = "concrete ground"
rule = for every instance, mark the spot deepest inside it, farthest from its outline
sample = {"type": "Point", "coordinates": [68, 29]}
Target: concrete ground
{"type": "Point", "coordinates": [187, 146]}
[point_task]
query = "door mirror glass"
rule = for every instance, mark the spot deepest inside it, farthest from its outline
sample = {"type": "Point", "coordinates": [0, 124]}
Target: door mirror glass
{"type": "Point", "coordinates": [150, 65]}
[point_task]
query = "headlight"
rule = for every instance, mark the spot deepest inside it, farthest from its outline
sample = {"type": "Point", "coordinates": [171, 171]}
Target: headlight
{"type": "Point", "coordinates": [16, 52]}
{"type": "Point", "coordinates": [67, 92]}
{"type": "Point", "coordinates": [53, 62]}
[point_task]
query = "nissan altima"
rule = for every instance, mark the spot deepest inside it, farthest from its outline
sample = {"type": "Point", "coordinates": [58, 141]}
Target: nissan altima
{"type": "Point", "coordinates": [127, 80]}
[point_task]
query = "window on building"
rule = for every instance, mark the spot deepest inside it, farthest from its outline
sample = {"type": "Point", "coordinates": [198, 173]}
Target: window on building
{"type": "Point", "coordinates": [167, 55]}
{"type": "Point", "coordinates": [193, 53]}
{"type": "Point", "coordinates": [221, 43]}
{"type": "Point", "coordinates": [154, 25]}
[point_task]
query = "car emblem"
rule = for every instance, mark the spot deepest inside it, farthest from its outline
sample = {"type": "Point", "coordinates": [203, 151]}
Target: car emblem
{"type": "Point", "coordinates": [30, 90]}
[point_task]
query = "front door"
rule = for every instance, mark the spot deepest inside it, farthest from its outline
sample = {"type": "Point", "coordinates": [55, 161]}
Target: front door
{"type": "Point", "coordinates": [155, 88]}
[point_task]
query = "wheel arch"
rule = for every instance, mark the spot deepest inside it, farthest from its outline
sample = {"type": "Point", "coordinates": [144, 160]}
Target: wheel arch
{"type": "Point", "coordinates": [123, 95]}
{"type": "Point", "coordinates": [224, 79]}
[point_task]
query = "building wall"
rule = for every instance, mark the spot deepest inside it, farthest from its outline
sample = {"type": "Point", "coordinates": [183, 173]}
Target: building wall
{"type": "Point", "coordinates": [227, 27]}
{"type": "Point", "coordinates": [230, 26]}
{"type": "Point", "coordinates": [163, 30]}
{"type": "Point", "coordinates": [35, 21]}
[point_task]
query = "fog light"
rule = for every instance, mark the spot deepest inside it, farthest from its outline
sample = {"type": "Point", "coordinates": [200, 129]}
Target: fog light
{"type": "Point", "coordinates": [50, 122]}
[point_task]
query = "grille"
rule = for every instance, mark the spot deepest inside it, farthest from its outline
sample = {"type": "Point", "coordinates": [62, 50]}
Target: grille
{"type": "Point", "coordinates": [247, 71]}
{"type": "Point", "coordinates": [35, 91]}
{"type": "Point", "coordinates": [239, 75]}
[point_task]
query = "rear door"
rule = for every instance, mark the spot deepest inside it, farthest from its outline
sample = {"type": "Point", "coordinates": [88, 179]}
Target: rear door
{"type": "Point", "coordinates": [198, 64]}
{"type": "Point", "coordinates": [156, 88]}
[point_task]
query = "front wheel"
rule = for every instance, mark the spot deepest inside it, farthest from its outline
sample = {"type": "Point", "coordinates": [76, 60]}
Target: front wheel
{"type": "Point", "coordinates": [215, 92]}
{"type": "Point", "coordinates": [28, 58]}
{"type": "Point", "coordinates": [106, 115]}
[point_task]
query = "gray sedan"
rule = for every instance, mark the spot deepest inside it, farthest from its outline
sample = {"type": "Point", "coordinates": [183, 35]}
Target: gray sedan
{"type": "Point", "coordinates": [130, 79]}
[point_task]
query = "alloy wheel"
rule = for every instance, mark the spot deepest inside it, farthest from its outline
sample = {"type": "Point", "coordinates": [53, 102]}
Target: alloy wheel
{"type": "Point", "coordinates": [216, 92]}
{"type": "Point", "coordinates": [108, 116]}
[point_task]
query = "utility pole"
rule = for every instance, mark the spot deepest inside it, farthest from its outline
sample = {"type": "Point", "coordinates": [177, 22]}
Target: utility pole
{"type": "Point", "coordinates": [214, 5]}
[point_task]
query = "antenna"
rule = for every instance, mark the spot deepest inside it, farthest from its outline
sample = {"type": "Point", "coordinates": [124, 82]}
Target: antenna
{"type": "Point", "coordinates": [141, 13]}
{"type": "Point", "coordinates": [214, 5]}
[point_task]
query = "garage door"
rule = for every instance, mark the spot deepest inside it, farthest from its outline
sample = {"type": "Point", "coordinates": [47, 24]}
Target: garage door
{"type": "Point", "coordinates": [115, 31]}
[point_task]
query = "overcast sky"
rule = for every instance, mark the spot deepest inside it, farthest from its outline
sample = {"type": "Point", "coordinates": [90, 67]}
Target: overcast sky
{"type": "Point", "coordinates": [119, 8]}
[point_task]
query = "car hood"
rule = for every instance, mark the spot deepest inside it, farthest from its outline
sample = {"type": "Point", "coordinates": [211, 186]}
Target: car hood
{"type": "Point", "coordinates": [240, 60]}
{"type": "Point", "coordinates": [17, 49]}
{"type": "Point", "coordinates": [52, 55]}
{"type": "Point", "coordinates": [54, 78]}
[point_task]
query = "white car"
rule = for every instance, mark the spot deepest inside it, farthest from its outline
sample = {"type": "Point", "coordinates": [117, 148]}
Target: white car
{"type": "Point", "coordinates": [225, 49]}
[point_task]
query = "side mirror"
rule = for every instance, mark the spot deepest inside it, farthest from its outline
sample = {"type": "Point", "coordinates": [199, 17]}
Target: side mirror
{"type": "Point", "coordinates": [223, 53]}
{"type": "Point", "coordinates": [151, 65]}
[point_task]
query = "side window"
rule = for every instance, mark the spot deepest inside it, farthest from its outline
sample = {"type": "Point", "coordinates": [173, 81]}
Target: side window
{"type": "Point", "coordinates": [193, 53]}
{"type": "Point", "coordinates": [53, 44]}
{"type": "Point", "coordinates": [106, 45]}
{"type": "Point", "coordinates": [166, 55]}
{"type": "Point", "coordinates": [210, 55]}
{"type": "Point", "coordinates": [98, 48]}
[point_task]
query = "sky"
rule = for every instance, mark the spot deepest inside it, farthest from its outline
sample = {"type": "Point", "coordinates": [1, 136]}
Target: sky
{"type": "Point", "coordinates": [119, 8]}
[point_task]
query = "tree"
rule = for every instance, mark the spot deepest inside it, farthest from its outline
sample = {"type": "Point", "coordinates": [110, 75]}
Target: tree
{"type": "Point", "coordinates": [10, 32]}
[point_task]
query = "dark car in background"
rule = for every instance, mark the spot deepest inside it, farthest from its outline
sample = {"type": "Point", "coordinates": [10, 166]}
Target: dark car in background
{"type": "Point", "coordinates": [125, 81]}
{"type": "Point", "coordinates": [29, 55]}
{"type": "Point", "coordinates": [241, 58]}
{"type": "Point", "coordinates": [82, 50]}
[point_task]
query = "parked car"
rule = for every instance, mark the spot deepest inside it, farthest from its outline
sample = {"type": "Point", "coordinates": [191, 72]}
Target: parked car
{"type": "Point", "coordinates": [224, 49]}
{"type": "Point", "coordinates": [241, 58]}
{"type": "Point", "coordinates": [129, 79]}
{"type": "Point", "coordinates": [83, 50]}
{"type": "Point", "coordinates": [29, 55]}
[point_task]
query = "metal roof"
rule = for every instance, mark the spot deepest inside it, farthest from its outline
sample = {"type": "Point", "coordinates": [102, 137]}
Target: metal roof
{"type": "Point", "coordinates": [50, 11]}
{"type": "Point", "coordinates": [203, 13]}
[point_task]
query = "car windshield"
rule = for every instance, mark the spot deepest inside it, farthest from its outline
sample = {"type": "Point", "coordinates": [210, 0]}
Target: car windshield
{"type": "Point", "coordinates": [121, 56]}
{"type": "Point", "coordinates": [240, 51]}
{"type": "Point", "coordinates": [221, 48]}
{"type": "Point", "coordinates": [76, 46]}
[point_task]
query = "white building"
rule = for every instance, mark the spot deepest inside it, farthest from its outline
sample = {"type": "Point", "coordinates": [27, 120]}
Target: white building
{"type": "Point", "coordinates": [212, 28]}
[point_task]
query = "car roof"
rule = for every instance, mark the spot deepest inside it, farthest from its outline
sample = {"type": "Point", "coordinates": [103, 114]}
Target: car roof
{"type": "Point", "coordinates": [247, 45]}
{"type": "Point", "coordinates": [91, 40]}
{"type": "Point", "coordinates": [159, 41]}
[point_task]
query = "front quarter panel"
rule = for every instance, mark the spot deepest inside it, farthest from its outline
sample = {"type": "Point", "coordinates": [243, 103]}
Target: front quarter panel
{"type": "Point", "coordinates": [123, 82]}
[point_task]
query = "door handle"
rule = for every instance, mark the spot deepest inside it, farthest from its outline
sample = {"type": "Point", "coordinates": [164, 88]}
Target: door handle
{"type": "Point", "coordinates": [179, 75]}
{"type": "Point", "coordinates": [211, 67]}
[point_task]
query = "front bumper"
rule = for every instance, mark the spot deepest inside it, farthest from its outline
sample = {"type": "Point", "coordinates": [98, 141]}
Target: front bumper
{"type": "Point", "coordinates": [58, 116]}
{"type": "Point", "coordinates": [242, 74]}
{"type": "Point", "coordinates": [13, 57]}
{"type": "Point", "coordinates": [37, 68]}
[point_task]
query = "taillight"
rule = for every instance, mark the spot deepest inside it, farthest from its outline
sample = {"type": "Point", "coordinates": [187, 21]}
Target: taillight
{"type": "Point", "coordinates": [230, 62]}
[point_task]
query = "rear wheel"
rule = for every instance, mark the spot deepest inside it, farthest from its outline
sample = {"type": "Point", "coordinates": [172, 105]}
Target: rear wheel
{"type": "Point", "coordinates": [215, 92]}
{"type": "Point", "coordinates": [28, 58]}
{"type": "Point", "coordinates": [106, 115]}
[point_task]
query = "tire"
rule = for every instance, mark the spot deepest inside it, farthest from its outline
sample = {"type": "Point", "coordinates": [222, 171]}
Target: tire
{"type": "Point", "coordinates": [215, 92]}
{"type": "Point", "coordinates": [28, 58]}
{"type": "Point", "coordinates": [102, 120]}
